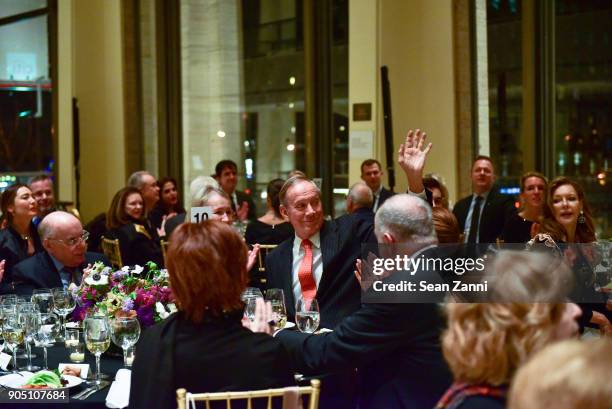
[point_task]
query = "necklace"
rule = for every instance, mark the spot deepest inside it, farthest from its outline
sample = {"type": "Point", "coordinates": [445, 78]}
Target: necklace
{"type": "Point", "coordinates": [25, 237]}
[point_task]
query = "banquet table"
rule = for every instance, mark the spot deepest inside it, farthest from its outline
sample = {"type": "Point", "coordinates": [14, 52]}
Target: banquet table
{"type": "Point", "coordinates": [59, 354]}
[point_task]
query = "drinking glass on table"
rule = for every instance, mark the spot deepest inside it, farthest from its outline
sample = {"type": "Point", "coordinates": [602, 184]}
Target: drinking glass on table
{"type": "Point", "coordinates": [25, 308]}
{"type": "Point", "coordinates": [30, 323]}
{"type": "Point", "coordinates": [64, 303]}
{"type": "Point", "coordinates": [13, 336]}
{"type": "Point", "coordinates": [125, 332]}
{"type": "Point", "coordinates": [48, 328]}
{"type": "Point", "coordinates": [250, 292]}
{"type": "Point", "coordinates": [279, 313]}
{"type": "Point", "coordinates": [6, 310]}
{"type": "Point", "coordinates": [97, 334]}
{"type": "Point", "coordinates": [44, 299]}
{"type": "Point", "coordinates": [307, 315]}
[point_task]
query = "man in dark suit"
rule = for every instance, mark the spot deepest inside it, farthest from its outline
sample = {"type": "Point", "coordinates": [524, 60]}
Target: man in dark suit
{"type": "Point", "coordinates": [242, 204]}
{"type": "Point", "coordinates": [147, 184]}
{"type": "Point", "coordinates": [396, 345]}
{"type": "Point", "coordinates": [371, 174]}
{"type": "Point", "coordinates": [359, 208]}
{"type": "Point", "coordinates": [63, 260]}
{"type": "Point", "coordinates": [482, 215]}
{"type": "Point", "coordinates": [319, 261]}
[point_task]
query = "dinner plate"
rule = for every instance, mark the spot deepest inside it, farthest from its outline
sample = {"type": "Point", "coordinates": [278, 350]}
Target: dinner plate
{"type": "Point", "coordinates": [16, 381]}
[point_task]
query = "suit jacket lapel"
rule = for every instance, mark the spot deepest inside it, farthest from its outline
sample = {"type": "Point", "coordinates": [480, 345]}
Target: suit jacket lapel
{"type": "Point", "coordinates": [329, 248]}
{"type": "Point", "coordinates": [51, 279]}
{"type": "Point", "coordinates": [287, 277]}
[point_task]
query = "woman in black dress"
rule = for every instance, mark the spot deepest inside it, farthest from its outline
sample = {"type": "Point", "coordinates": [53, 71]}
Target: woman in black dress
{"type": "Point", "coordinates": [204, 347]}
{"type": "Point", "coordinates": [19, 240]}
{"type": "Point", "coordinates": [138, 241]}
{"type": "Point", "coordinates": [520, 227]}
{"type": "Point", "coordinates": [169, 204]}
{"type": "Point", "coordinates": [270, 228]}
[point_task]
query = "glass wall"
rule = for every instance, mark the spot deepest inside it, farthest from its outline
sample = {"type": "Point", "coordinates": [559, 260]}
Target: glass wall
{"type": "Point", "coordinates": [243, 90]}
{"type": "Point", "coordinates": [579, 144]}
{"type": "Point", "coordinates": [583, 103]}
{"type": "Point", "coordinates": [26, 140]}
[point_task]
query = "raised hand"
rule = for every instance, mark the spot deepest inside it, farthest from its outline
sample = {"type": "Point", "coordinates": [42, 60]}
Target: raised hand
{"type": "Point", "coordinates": [243, 211]}
{"type": "Point", "coordinates": [1, 269]}
{"type": "Point", "coordinates": [252, 257]}
{"type": "Point", "coordinates": [412, 155]}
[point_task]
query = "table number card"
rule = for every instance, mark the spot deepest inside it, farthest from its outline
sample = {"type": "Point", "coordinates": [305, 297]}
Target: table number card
{"type": "Point", "coordinates": [199, 214]}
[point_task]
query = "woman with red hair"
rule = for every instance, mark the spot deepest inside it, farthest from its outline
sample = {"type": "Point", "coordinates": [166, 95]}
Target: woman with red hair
{"type": "Point", "coordinates": [204, 347]}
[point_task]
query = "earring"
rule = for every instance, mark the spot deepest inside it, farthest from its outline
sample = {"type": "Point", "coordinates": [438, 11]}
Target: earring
{"type": "Point", "coordinates": [581, 218]}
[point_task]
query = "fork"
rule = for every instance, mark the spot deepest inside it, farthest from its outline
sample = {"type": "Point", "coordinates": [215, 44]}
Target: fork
{"type": "Point", "coordinates": [90, 391]}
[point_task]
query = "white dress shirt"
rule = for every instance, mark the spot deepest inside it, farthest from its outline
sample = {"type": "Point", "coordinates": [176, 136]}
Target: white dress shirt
{"type": "Point", "coordinates": [298, 256]}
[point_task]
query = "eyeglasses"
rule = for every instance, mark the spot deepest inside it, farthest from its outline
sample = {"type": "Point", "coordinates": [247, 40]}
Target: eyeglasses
{"type": "Point", "coordinates": [74, 241]}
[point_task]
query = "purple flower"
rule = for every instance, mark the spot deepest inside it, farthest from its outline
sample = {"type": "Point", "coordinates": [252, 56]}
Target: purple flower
{"type": "Point", "coordinates": [128, 304]}
{"type": "Point", "coordinates": [145, 316]}
{"type": "Point", "coordinates": [119, 275]}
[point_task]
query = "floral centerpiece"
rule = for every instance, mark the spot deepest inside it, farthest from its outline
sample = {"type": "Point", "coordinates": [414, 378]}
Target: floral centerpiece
{"type": "Point", "coordinates": [126, 292]}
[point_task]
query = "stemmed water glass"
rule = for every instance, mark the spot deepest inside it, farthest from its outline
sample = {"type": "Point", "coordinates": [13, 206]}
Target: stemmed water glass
{"type": "Point", "coordinates": [249, 297]}
{"type": "Point", "coordinates": [279, 313]}
{"type": "Point", "coordinates": [13, 335]}
{"type": "Point", "coordinates": [307, 315]}
{"type": "Point", "coordinates": [126, 331]}
{"type": "Point", "coordinates": [47, 331]}
{"type": "Point", "coordinates": [21, 309]}
{"type": "Point", "coordinates": [97, 334]}
{"type": "Point", "coordinates": [43, 298]}
{"type": "Point", "coordinates": [6, 310]}
{"type": "Point", "coordinates": [30, 323]}
{"type": "Point", "coordinates": [64, 303]}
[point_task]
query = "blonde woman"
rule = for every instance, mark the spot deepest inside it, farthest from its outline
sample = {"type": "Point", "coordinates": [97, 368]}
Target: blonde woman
{"type": "Point", "coordinates": [485, 344]}
{"type": "Point", "coordinates": [577, 377]}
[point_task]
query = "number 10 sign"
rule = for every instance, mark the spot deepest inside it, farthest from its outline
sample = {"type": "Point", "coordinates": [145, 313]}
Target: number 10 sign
{"type": "Point", "coordinates": [200, 214]}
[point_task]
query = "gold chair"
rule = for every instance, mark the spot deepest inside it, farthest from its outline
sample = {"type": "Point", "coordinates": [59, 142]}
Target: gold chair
{"type": "Point", "coordinates": [164, 247]}
{"type": "Point", "coordinates": [112, 251]}
{"type": "Point", "coordinates": [264, 250]}
{"type": "Point", "coordinates": [312, 391]}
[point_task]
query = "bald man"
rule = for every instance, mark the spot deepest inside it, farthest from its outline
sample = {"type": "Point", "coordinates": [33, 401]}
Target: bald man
{"type": "Point", "coordinates": [62, 262]}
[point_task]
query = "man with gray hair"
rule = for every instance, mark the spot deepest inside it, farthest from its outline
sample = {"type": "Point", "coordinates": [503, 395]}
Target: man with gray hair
{"type": "Point", "coordinates": [147, 184]}
{"type": "Point", "coordinates": [62, 262]}
{"type": "Point", "coordinates": [395, 346]}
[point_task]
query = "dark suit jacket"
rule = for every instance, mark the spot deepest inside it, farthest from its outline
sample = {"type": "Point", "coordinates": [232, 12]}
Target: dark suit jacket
{"type": "Point", "coordinates": [243, 197]}
{"type": "Point", "coordinates": [384, 195]}
{"type": "Point", "coordinates": [215, 356]}
{"type": "Point", "coordinates": [395, 347]}
{"type": "Point", "coordinates": [39, 271]}
{"type": "Point", "coordinates": [363, 219]}
{"type": "Point", "coordinates": [138, 243]}
{"type": "Point", "coordinates": [497, 209]}
{"type": "Point", "coordinates": [339, 293]}
{"type": "Point", "coordinates": [14, 249]}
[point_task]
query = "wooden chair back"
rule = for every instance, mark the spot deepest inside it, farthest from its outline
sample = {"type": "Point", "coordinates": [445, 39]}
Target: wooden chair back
{"type": "Point", "coordinates": [112, 251]}
{"type": "Point", "coordinates": [183, 398]}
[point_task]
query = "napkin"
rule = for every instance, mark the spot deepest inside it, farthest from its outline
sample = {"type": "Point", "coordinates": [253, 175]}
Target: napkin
{"type": "Point", "coordinates": [5, 359]}
{"type": "Point", "coordinates": [119, 393]}
{"type": "Point", "coordinates": [84, 368]}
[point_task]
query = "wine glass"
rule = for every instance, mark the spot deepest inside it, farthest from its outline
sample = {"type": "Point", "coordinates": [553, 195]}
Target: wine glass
{"type": "Point", "coordinates": [25, 308]}
{"type": "Point", "coordinates": [250, 292]}
{"type": "Point", "coordinates": [279, 313]}
{"type": "Point", "coordinates": [307, 315]}
{"type": "Point", "coordinates": [97, 334]}
{"type": "Point", "coordinates": [43, 298]}
{"type": "Point", "coordinates": [6, 310]}
{"type": "Point", "coordinates": [64, 303]}
{"type": "Point", "coordinates": [13, 335]}
{"type": "Point", "coordinates": [48, 327]}
{"type": "Point", "coordinates": [126, 331]}
{"type": "Point", "coordinates": [30, 322]}
{"type": "Point", "coordinates": [249, 308]}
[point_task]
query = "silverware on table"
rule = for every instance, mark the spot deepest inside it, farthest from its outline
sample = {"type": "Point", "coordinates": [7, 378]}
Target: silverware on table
{"type": "Point", "coordinates": [91, 390]}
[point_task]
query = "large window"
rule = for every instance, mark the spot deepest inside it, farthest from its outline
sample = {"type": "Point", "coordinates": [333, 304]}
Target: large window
{"type": "Point", "coordinates": [551, 110]}
{"type": "Point", "coordinates": [246, 69]}
{"type": "Point", "coordinates": [26, 120]}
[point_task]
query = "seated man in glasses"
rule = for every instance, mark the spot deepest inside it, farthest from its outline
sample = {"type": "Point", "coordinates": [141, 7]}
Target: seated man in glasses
{"type": "Point", "coordinates": [62, 262]}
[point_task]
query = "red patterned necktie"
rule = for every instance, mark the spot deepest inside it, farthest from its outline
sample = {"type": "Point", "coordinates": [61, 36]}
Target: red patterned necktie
{"type": "Point", "coordinates": [307, 282]}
